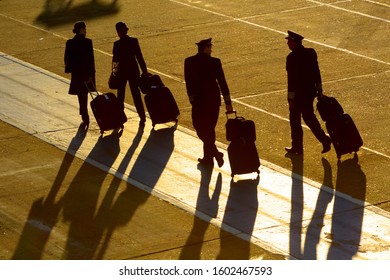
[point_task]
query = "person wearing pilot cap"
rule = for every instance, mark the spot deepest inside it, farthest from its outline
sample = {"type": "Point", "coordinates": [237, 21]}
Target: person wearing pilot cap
{"type": "Point", "coordinates": [127, 60]}
{"type": "Point", "coordinates": [80, 62]}
{"type": "Point", "coordinates": [303, 85]}
{"type": "Point", "coordinates": [205, 81]}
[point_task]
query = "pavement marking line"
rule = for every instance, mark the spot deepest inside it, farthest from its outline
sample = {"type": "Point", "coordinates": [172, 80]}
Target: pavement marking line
{"type": "Point", "coordinates": [251, 95]}
{"type": "Point", "coordinates": [20, 171]}
{"type": "Point", "coordinates": [377, 3]}
{"type": "Point", "coordinates": [281, 32]}
{"type": "Point", "coordinates": [279, 210]}
{"type": "Point", "coordinates": [303, 125]}
{"type": "Point", "coordinates": [348, 10]}
{"type": "Point", "coordinates": [222, 15]}
{"type": "Point", "coordinates": [231, 18]}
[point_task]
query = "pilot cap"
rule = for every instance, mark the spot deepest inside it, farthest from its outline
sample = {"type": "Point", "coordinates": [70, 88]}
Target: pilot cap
{"type": "Point", "coordinates": [294, 36]}
{"type": "Point", "coordinates": [204, 43]}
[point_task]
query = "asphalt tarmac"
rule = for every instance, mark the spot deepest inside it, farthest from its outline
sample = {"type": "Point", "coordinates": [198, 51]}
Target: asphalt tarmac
{"type": "Point", "coordinates": [349, 36]}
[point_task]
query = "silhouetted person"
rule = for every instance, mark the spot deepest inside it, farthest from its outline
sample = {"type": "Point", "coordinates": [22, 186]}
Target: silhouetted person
{"type": "Point", "coordinates": [127, 59]}
{"type": "Point", "coordinates": [205, 80]}
{"type": "Point", "coordinates": [80, 62]}
{"type": "Point", "coordinates": [304, 84]}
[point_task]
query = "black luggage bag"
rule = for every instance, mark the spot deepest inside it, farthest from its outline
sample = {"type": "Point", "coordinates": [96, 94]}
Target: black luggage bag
{"type": "Point", "coordinates": [107, 110]}
{"type": "Point", "coordinates": [242, 151]}
{"type": "Point", "coordinates": [159, 100]}
{"type": "Point", "coordinates": [329, 108]}
{"type": "Point", "coordinates": [150, 82]}
{"type": "Point", "coordinates": [239, 127]}
{"type": "Point", "coordinates": [162, 106]}
{"type": "Point", "coordinates": [344, 135]}
{"type": "Point", "coordinates": [243, 157]}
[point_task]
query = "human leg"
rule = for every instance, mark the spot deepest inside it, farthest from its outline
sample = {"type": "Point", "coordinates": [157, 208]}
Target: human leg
{"type": "Point", "coordinates": [83, 107]}
{"type": "Point", "coordinates": [121, 92]}
{"type": "Point", "coordinates": [296, 131]}
{"type": "Point", "coordinates": [136, 94]}
{"type": "Point", "coordinates": [312, 122]}
{"type": "Point", "coordinates": [204, 122]}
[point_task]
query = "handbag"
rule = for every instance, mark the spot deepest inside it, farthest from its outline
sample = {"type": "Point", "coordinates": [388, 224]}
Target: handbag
{"type": "Point", "coordinates": [113, 81]}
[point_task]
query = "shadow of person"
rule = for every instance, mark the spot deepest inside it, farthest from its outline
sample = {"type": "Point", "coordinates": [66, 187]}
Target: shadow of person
{"type": "Point", "coordinates": [57, 12]}
{"type": "Point", "coordinates": [81, 200]}
{"type": "Point", "coordinates": [313, 233]}
{"type": "Point", "coordinates": [207, 207]}
{"type": "Point", "coordinates": [297, 206]}
{"type": "Point", "coordinates": [44, 212]}
{"type": "Point", "coordinates": [154, 156]}
{"type": "Point", "coordinates": [112, 214]}
{"type": "Point", "coordinates": [147, 169]}
{"type": "Point", "coordinates": [240, 213]}
{"type": "Point", "coordinates": [347, 218]}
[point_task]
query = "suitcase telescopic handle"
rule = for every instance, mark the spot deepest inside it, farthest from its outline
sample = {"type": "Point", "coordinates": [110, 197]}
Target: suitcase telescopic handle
{"type": "Point", "coordinates": [93, 87]}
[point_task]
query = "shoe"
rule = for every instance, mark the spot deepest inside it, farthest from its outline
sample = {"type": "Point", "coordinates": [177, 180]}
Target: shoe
{"type": "Point", "coordinates": [326, 146]}
{"type": "Point", "coordinates": [219, 158]}
{"type": "Point", "coordinates": [293, 150]}
{"type": "Point", "coordinates": [206, 161]}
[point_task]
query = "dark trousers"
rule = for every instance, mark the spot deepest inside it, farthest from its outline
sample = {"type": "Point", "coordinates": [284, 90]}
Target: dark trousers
{"type": "Point", "coordinates": [204, 119]}
{"type": "Point", "coordinates": [83, 106]}
{"type": "Point", "coordinates": [304, 109]}
{"type": "Point", "coordinates": [135, 93]}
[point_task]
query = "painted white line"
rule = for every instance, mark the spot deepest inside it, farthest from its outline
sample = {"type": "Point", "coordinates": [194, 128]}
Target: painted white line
{"type": "Point", "coordinates": [303, 125]}
{"type": "Point", "coordinates": [349, 11]}
{"type": "Point", "coordinates": [33, 26]}
{"type": "Point", "coordinates": [254, 95]}
{"type": "Point", "coordinates": [20, 171]}
{"type": "Point", "coordinates": [261, 110]}
{"type": "Point", "coordinates": [377, 3]}
{"type": "Point", "coordinates": [266, 211]}
{"type": "Point", "coordinates": [280, 32]}
{"type": "Point", "coordinates": [243, 21]}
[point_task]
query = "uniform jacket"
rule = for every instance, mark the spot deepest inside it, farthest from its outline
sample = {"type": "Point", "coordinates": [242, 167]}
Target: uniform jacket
{"type": "Point", "coordinates": [303, 73]}
{"type": "Point", "coordinates": [79, 61]}
{"type": "Point", "coordinates": [205, 80]}
{"type": "Point", "coordinates": [127, 53]}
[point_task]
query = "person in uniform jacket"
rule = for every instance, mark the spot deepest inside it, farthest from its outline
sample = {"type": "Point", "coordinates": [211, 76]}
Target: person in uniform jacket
{"type": "Point", "coordinates": [205, 80]}
{"type": "Point", "coordinates": [127, 59]}
{"type": "Point", "coordinates": [304, 84]}
{"type": "Point", "coordinates": [80, 62]}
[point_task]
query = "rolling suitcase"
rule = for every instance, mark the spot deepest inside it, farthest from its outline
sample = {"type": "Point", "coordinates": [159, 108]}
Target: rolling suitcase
{"type": "Point", "coordinates": [149, 83]}
{"type": "Point", "coordinates": [162, 106]}
{"type": "Point", "coordinates": [243, 157]}
{"type": "Point", "coordinates": [159, 100]}
{"type": "Point", "coordinates": [239, 127]}
{"type": "Point", "coordinates": [329, 108]}
{"type": "Point", "coordinates": [344, 135]}
{"type": "Point", "coordinates": [242, 151]}
{"type": "Point", "coordinates": [107, 110]}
